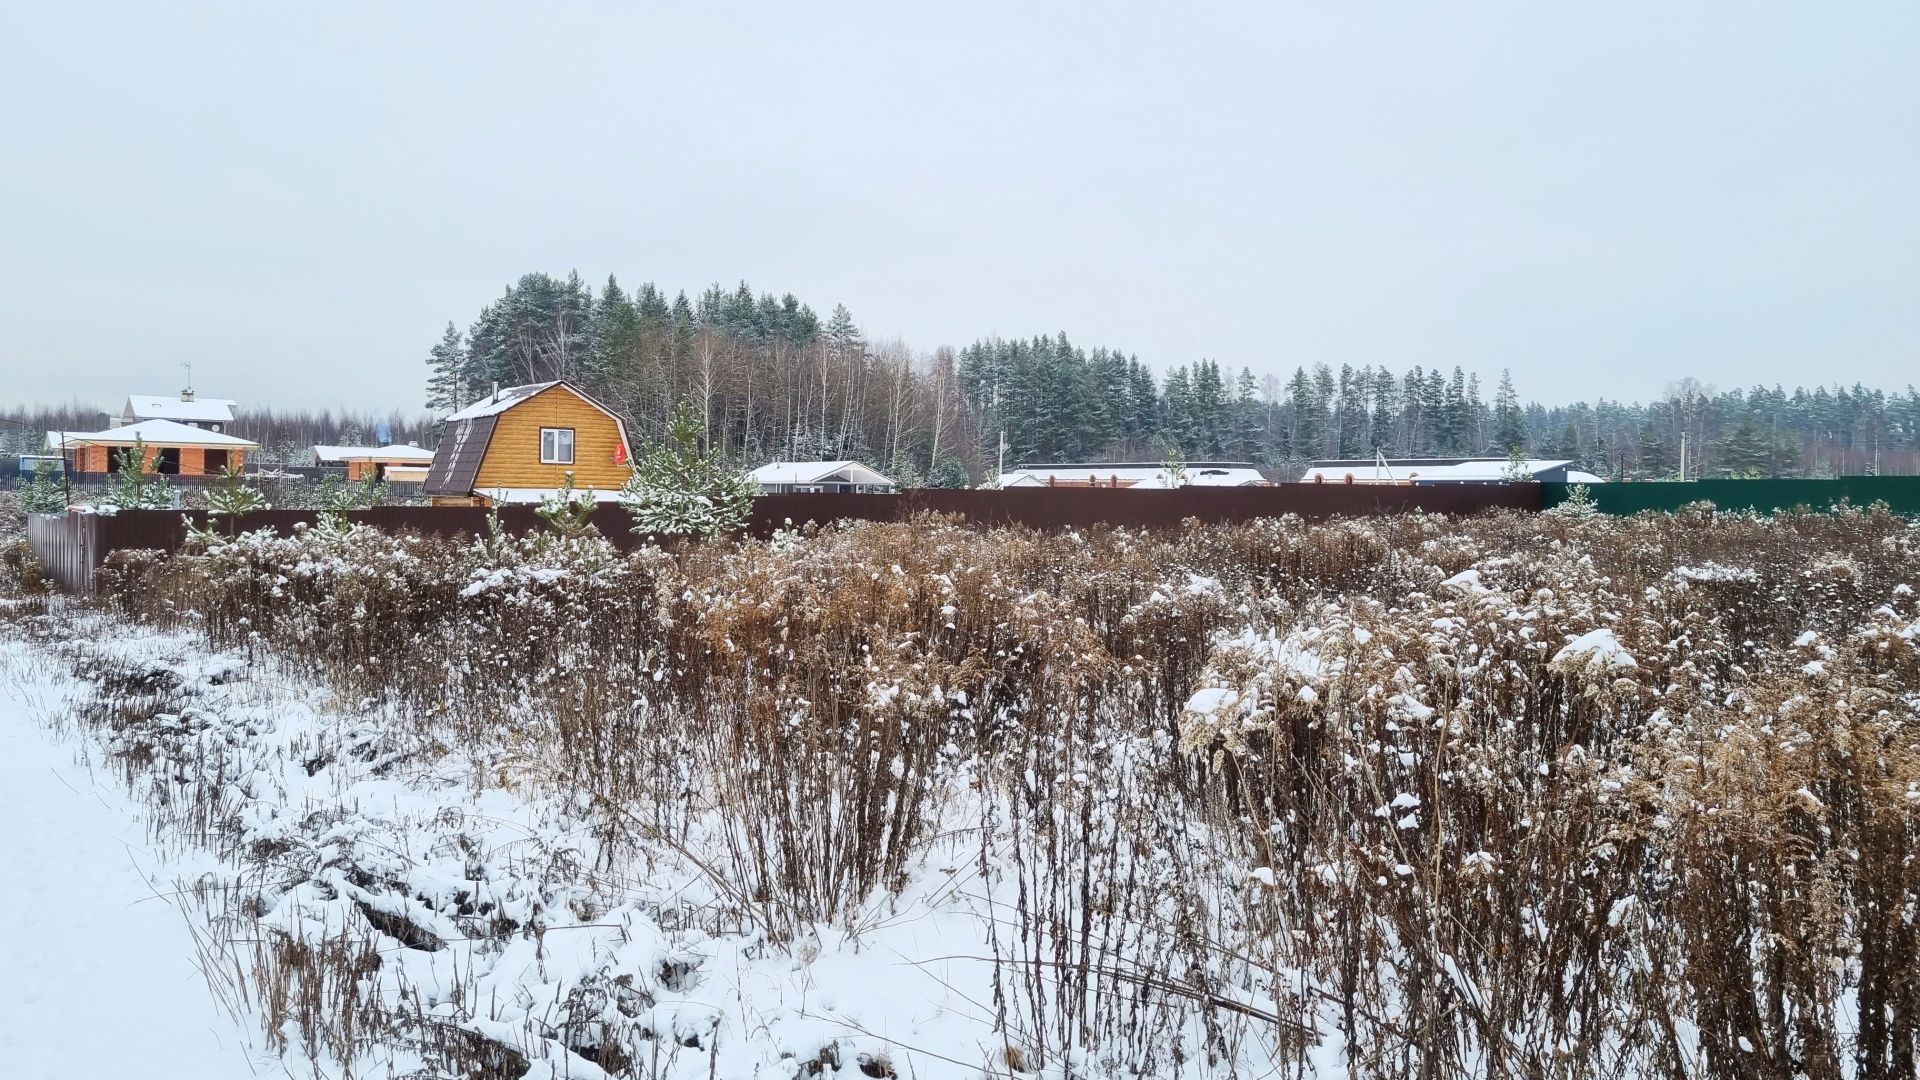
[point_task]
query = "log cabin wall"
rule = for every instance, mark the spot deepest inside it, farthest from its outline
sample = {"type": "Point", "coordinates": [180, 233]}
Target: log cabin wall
{"type": "Point", "coordinates": [513, 453]}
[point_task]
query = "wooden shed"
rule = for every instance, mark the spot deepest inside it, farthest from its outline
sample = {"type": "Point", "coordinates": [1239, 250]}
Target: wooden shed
{"type": "Point", "coordinates": [520, 444]}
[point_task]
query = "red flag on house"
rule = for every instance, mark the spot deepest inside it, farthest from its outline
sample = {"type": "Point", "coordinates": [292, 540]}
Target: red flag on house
{"type": "Point", "coordinates": [619, 453]}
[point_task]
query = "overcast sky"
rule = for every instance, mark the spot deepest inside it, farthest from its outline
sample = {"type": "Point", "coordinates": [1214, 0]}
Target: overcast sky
{"type": "Point", "coordinates": [1600, 199]}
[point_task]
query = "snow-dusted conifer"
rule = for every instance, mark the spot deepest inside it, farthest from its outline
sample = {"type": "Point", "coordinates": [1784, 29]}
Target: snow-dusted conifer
{"type": "Point", "coordinates": [131, 488]}
{"type": "Point", "coordinates": [677, 491]}
{"type": "Point", "coordinates": [43, 493]}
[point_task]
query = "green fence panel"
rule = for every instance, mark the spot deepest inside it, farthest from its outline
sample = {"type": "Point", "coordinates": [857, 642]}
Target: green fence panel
{"type": "Point", "coordinates": [1900, 493]}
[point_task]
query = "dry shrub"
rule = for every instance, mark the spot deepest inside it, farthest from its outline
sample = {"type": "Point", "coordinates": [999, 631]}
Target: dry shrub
{"type": "Point", "coordinates": [1404, 816]}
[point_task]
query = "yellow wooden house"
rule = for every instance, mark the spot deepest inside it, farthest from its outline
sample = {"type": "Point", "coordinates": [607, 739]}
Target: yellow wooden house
{"type": "Point", "coordinates": [519, 444]}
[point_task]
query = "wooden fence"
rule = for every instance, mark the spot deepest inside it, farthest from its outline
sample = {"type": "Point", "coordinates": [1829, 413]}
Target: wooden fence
{"type": "Point", "coordinates": [74, 546]}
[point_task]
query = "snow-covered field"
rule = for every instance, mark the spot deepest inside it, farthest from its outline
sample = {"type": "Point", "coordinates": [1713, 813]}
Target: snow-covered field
{"type": "Point", "coordinates": [1516, 796]}
{"type": "Point", "coordinates": [349, 845]}
{"type": "Point", "coordinates": [98, 966]}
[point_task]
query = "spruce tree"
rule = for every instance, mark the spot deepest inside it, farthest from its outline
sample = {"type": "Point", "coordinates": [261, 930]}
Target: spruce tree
{"type": "Point", "coordinates": [1509, 423]}
{"type": "Point", "coordinates": [676, 490]}
{"type": "Point", "coordinates": [447, 385]}
{"type": "Point", "coordinates": [1210, 427]}
{"type": "Point", "coordinates": [1177, 427]}
{"type": "Point", "coordinates": [1249, 428]}
{"type": "Point", "coordinates": [1743, 450]}
{"type": "Point", "coordinates": [948, 472]}
{"type": "Point", "coordinates": [1303, 443]}
{"type": "Point", "coordinates": [45, 492]}
{"type": "Point", "coordinates": [1385, 411]}
{"type": "Point", "coordinates": [1325, 392]}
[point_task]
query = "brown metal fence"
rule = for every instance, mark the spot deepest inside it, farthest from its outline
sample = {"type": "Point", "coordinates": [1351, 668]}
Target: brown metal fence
{"type": "Point", "coordinates": [65, 545]}
{"type": "Point", "coordinates": [74, 546]}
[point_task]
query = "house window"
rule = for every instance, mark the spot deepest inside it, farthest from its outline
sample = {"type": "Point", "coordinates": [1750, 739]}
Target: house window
{"type": "Point", "coordinates": [556, 446]}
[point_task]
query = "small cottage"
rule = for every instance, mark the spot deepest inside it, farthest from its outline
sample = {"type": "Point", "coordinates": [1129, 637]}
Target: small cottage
{"type": "Point", "coordinates": [170, 448]}
{"type": "Point", "coordinates": [520, 444]}
{"type": "Point", "coordinates": [812, 477]}
{"type": "Point", "coordinates": [401, 463]}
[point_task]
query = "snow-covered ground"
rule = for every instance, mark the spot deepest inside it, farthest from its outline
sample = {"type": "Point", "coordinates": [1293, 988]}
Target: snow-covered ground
{"type": "Point", "coordinates": [340, 830]}
{"type": "Point", "coordinates": [97, 964]}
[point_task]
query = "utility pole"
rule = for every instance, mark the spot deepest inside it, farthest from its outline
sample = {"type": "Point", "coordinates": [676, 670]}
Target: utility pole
{"type": "Point", "coordinates": [1683, 457]}
{"type": "Point", "coordinates": [1003, 457]}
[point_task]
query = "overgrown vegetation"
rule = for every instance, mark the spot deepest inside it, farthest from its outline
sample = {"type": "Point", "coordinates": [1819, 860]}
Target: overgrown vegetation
{"type": "Point", "coordinates": [24, 583]}
{"type": "Point", "coordinates": [1520, 795]}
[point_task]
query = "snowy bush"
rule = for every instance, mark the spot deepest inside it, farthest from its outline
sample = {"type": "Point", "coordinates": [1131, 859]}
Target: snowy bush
{"type": "Point", "coordinates": [131, 487]}
{"type": "Point", "coordinates": [676, 490]}
{"type": "Point", "coordinates": [45, 492]}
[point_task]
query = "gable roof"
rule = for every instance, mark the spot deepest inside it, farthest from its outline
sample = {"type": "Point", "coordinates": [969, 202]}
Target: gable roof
{"type": "Point", "coordinates": [405, 452]}
{"type": "Point", "coordinates": [204, 410]}
{"type": "Point", "coordinates": [463, 445]}
{"type": "Point", "coordinates": [154, 433]}
{"type": "Point", "coordinates": [819, 472]}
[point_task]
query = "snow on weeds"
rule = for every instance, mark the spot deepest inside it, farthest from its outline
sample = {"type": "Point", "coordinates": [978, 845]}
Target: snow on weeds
{"type": "Point", "coordinates": [1391, 797]}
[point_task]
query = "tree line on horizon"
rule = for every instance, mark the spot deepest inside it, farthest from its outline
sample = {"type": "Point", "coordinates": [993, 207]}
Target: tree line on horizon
{"type": "Point", "coordinates": [776, 381]}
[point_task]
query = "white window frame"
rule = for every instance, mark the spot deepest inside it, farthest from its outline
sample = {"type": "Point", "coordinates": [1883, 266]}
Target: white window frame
{"type": "Point", "coordinates": [554, 457]}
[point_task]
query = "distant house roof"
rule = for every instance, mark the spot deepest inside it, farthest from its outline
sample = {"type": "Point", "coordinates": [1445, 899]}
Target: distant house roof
{"type": "Point", "coordinates": [152, 433]}
{"type": "Point", "coordinates": [1405, 470]}
{"type": "Point", "coordinates": [500, 401]}
{"type": "Point", "coordinates": [1133, 475]}
{"type": "Point", "coordinates": [201, 410]}
{"type": "Point", "coordinates": [404, 454]}
{"type": "Point", "coordinates": [819, 472]}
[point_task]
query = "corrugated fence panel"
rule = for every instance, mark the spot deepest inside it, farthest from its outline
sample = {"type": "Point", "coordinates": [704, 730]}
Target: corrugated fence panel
{"type": "Point", "coordinates": [64, 545]}
{"type": "Point", "coordinates": [74, 546]}
{"type": "Point", "coordinates": [1900, 493]}
{"type": "Point", "coordinates": [77, 544]}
